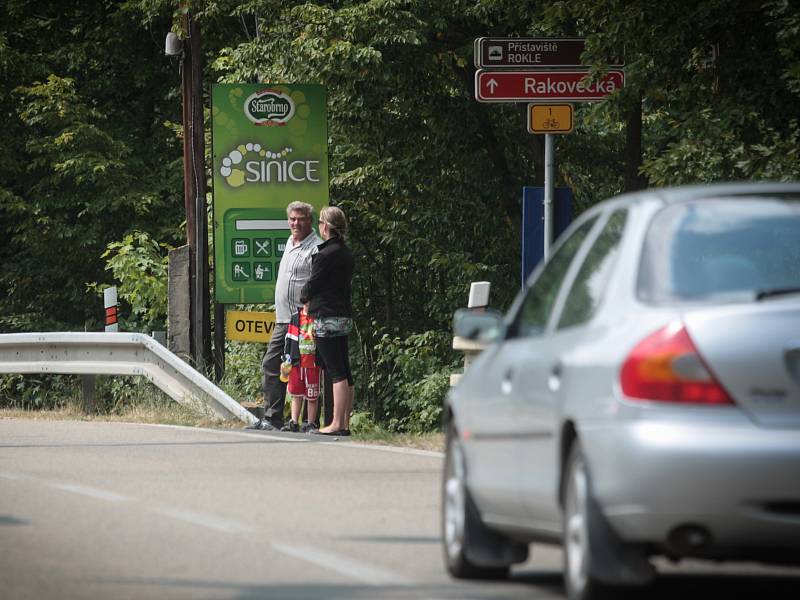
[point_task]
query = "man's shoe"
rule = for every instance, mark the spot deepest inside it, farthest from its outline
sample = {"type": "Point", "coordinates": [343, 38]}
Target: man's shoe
{"type": "Point", "coordinates": [291, 426]}
{"type": "Point", "coordinates": [263, 425]}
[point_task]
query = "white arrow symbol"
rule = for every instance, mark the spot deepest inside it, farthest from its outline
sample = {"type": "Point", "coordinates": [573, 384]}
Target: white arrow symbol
{"type": "Point", "coordinates": [491, 84]}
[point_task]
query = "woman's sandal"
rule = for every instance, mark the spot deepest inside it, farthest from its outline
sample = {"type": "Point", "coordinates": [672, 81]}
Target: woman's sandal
{"type": "Point", "coordinates": [339, 433]}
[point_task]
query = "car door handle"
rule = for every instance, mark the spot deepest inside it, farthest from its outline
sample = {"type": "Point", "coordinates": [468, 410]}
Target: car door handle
{"type": "Point", "coordinates": [554, 379]}
{"type": "Point", "coordinates": [505, 383]}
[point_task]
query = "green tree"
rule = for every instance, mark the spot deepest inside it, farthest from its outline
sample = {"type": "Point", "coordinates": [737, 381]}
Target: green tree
{"type": "Point", "coordinates": [87, 156]}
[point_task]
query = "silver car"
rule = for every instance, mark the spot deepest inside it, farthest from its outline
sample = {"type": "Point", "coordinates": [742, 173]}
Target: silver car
{"type": "Point", "coordinates": [640, 398]}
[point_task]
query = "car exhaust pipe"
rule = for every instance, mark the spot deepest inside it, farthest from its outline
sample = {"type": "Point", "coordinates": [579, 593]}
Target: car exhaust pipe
{"type": "Point", "coordinates": [689, 539]}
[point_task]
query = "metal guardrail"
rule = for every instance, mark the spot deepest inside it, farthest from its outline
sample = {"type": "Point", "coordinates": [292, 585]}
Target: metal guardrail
{"type": "Point", "coordinates": [117, 354]}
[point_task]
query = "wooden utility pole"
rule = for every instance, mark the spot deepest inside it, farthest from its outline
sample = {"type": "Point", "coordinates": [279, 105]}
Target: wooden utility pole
{"type": "Point", "coordinates": [633, 145]}
{"type": "Point", "coordinates": [194, 188]}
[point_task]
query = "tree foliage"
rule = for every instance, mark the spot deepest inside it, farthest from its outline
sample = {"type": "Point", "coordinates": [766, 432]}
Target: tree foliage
{"type": "Point", "coordinates": [87, 156]}
{"type": "Point", "coordinates": [140, 265]}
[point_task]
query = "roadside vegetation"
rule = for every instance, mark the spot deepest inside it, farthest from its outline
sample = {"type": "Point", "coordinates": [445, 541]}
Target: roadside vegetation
{"type": "Point", "coordinates": [91, 174]}
{"type": "Point", "coordinates": [133, 400]}
{"type": "Point", "coordinates": [115, 399]}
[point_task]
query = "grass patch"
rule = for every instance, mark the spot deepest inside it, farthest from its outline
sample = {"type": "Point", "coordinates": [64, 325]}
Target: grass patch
{"type": "Point", "coordinates": [153, 415]}
{"type": "Point", "coordinates": [420, 441]}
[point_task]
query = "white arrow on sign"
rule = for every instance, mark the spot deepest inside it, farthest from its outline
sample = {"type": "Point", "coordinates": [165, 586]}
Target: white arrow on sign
{"type": "Point", "coordinates": [491, 84]}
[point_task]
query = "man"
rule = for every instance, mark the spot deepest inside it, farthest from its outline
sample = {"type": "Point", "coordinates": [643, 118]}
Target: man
{"type": "Point", "coordinates": [294, 271]}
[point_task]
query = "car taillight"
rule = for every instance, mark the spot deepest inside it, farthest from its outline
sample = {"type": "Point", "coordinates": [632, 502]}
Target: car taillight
{"type": "Point", "coordinates": [665, 366]}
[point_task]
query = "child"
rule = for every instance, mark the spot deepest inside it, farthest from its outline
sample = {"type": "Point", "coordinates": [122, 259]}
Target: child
{"type": "Point", "coordinates": [303, 382]}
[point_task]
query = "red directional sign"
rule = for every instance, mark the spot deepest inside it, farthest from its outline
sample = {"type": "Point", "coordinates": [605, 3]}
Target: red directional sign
{"type": "Point", "coordinates": [538, 86]}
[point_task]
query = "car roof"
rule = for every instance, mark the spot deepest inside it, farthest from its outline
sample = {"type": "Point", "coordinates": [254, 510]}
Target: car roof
{"type": "Point", "coordinates": [672, 195]}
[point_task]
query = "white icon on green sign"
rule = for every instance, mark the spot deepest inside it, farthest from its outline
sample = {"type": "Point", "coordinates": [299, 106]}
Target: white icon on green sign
{"type": "Point", "coordinates": [263, 247]}
{"type": "Point", "coordinates": [241, 271]}
{"type": "Point", "coordinates": [241, 247]}
{"type": "Point", "coordinates": [262, 271]}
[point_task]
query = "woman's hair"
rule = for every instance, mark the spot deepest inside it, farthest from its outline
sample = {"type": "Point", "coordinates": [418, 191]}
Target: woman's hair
{"type": "Point", "coordinates": [334, 217]}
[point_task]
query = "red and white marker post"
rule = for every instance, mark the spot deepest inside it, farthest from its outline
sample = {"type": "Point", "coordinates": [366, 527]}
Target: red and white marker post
{"type": "Point", "coordinates": [110, 304]}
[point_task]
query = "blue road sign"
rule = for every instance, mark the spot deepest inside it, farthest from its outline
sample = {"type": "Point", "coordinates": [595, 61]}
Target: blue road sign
{"type": "Point", "coordinates": [533, 223]}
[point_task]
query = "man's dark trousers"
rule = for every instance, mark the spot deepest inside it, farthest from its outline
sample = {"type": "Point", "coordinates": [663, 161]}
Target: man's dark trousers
{"type": "Point", "coordinates": [272, 387]}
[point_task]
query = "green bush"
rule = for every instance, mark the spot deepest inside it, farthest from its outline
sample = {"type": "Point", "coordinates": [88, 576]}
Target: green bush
{"type": "Point", "coordinates": [140, 265]}
{"type": "Point", "coordinates": [38, 392]}
{"type": "Point", "coordinates": [411, 379]}
{"type": "Point", "coordinates": [242, 379]}
{"type": "Point", "coordinates": [361, 422]}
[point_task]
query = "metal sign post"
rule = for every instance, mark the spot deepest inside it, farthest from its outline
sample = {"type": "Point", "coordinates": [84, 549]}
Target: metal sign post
{"type": "Point", "coordinates": [549, 164]}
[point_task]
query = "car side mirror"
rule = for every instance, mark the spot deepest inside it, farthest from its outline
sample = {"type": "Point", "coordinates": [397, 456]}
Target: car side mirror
{"type": "Point", "coordinates": [485, 326]}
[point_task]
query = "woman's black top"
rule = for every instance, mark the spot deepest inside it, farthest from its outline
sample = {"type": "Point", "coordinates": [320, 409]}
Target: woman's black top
{"type": "Point", "coordinates": [327, 291]}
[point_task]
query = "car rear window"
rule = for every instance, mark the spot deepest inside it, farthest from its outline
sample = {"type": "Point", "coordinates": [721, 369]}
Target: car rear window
{"type": "Point", "coordinates": [721, 249]}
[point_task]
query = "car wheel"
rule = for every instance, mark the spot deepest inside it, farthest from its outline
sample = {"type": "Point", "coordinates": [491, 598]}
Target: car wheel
{"type": "Point", "coordinates": [596, 562]}
{"type": "Point", "coordinates": [462, 529]}
{"type": "Point", "coordinates": [577, 573]}
{"type": "Point", "coordinates": [582, 542]}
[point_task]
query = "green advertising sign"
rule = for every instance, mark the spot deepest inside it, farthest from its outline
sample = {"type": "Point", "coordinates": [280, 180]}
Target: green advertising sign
{"type": "Point", "coordinates": [270, 148]}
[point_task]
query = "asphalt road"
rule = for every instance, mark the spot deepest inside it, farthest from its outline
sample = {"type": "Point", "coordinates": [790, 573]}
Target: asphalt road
{"type": "Point", "coordinates": [96, 510]}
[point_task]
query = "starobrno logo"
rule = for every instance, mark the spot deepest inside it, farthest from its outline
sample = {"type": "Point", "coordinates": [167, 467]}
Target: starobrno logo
{"type": "Point", "coordinates": [269, 107]}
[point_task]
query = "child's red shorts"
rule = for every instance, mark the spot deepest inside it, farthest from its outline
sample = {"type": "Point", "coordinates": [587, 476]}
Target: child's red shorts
{"type": "Point", "coordinates": [304, 382]}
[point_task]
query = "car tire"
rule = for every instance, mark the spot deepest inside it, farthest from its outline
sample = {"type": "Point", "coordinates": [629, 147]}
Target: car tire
{"type": "Point", "coordinates": [596, 563]}
{"type": "Point", "coordinates": [464, 536]}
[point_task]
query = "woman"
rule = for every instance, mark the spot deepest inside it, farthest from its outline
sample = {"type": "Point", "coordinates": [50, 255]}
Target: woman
{"type": "Point", "coordinates": [327, 294]}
